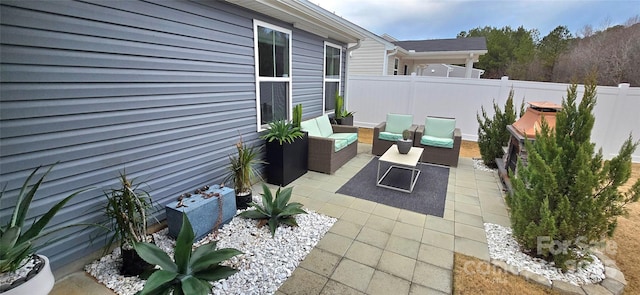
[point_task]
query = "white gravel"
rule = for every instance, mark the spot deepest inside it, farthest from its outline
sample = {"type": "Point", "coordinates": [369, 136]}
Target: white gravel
{"type": "Point", "coordinates": [502, 246]}
{"type": "Point", "coordinates": [266, 263]}
{"type": "Point", "coordinates": [478, 164]}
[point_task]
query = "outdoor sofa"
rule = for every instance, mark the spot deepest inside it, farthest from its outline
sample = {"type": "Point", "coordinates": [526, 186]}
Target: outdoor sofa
{"type": "Point", "coordinates": [330, 146]}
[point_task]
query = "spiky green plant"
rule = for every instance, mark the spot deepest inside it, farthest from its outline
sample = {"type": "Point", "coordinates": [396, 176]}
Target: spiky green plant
{"type": "Point", "coordinates": [493, 133]}
{"type": "Point", "coordinates": [275, 210]}
{"type": "Point", "coordinates": [340, 111]}
{"type": "Point", "coordinates": [282, 131]}
{"type": "Point", "coordinates": [190, 271]}
{"type": "Point", "coordinates": [242, 167]}
{"type": "Point", "coordinates": [297, 115]}
{"type": "Point", "coordinates": [566, 198]}
{"type": "Point", "coordinates": [16, 244]}
{"type": "Point", "coordinates": [127, 208]}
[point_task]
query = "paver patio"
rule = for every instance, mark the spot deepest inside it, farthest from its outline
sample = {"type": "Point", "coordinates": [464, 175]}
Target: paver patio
{"type": "Point", "coordinates": [378, 249]}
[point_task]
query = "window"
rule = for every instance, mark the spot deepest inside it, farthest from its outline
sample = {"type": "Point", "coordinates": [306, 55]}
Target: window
{"type": "Point", "coordinates": [396, 65]}
{"type": "Point", "coordinates": [332, 73]}
{"type": "Point", "coordinates": [273, 72]}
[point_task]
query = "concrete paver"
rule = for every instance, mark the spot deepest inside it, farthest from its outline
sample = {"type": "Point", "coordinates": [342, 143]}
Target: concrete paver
{"type": "Point", "coordinates": [378, 249]}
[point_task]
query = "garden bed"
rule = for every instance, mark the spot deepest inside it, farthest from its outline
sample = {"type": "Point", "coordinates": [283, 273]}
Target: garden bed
{"type": "Point", "coordinates": [266, 263]}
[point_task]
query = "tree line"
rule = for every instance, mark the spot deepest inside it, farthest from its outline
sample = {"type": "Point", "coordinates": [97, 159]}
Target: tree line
{"type": "Point", "coordinates": [561, 56]}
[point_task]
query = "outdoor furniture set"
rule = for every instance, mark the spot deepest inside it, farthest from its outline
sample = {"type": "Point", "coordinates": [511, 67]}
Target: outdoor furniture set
{"type": "Point", "coordinates": [439, 137]}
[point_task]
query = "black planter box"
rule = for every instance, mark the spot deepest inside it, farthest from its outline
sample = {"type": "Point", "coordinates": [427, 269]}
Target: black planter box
{"type": "Point", "coordinates": [287, 162]}
{"type": "Point", "coordinates": [347, 121]}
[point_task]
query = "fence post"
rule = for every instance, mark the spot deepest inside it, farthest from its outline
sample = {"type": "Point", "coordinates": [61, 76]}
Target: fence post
{"type": "Point", "coordinates": [503, 91]}
{"type": "Point", "coordinates": [412, 95]}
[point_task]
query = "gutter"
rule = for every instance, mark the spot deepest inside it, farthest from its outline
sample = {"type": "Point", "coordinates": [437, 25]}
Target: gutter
{"type": "Point", "coordinates": [385, 65]}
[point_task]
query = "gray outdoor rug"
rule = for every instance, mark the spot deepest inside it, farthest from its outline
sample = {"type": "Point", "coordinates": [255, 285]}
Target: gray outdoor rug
{"type": "Point", "coordinates": [428, 196]}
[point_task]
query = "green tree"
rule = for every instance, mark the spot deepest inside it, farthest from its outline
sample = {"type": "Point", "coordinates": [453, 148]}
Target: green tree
{"type": "Point", "coordinates": [506, 48]}
{"type": "Point", "coordinates": [552, 46]}
{"type": "Point", "coordinates": [492, 132]}
{"type": "Point", "coordinates": [566, 197]}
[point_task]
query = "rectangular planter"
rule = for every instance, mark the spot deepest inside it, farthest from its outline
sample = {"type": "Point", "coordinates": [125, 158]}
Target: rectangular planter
{"type": "Point", "coordinates": [202, 213]}
{"type": "Point", "coordinates": [347, 121]}
{"type": "Point", "coordinates": [287, 162]}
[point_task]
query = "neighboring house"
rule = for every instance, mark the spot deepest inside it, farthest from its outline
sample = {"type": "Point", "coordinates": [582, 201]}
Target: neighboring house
{"type": "Point", "coordinates": [162, 89]}
{"type": "Point", "coordinates": [387, 56]}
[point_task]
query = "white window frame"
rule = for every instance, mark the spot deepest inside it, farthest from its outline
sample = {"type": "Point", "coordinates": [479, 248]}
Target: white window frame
{"type": "Point", "coordinates": [289, 80]}
{"type": "Point", "coordinates": [324, 74]}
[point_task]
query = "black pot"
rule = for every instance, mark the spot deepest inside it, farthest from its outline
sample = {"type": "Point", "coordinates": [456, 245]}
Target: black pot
{"type": "Point", "coordinates": [132, 264]}
{"type": "Point", "coordinates": [347, 121]}
{"type": "Point", "coordinates": [243, 200]}
{"type": "Point", "coordinates": [404, 146]}
{"type": "Point", "coordinates": [288, 161]}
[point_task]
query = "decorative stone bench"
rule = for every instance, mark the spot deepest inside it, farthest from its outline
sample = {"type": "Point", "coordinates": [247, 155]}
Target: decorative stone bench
{"type": "Point", "coordinates": [202, 212]}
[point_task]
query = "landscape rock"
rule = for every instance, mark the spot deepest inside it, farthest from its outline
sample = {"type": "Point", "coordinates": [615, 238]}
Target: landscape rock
{"type": "Point", "coordinates": [613, 286]}
{"type": "Point", "coordinates": [567, 288]}
{"type": "Point", "coordinates": [595, 289]}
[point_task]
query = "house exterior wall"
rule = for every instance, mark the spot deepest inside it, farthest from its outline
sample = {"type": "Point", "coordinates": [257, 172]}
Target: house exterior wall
{"type": "Point", "coordinates": [162, 89]}
{"type": "Point", "coordinates": [368, 59]}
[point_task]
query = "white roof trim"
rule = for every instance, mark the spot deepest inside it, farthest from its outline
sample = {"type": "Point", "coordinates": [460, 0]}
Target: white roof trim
{"type": "Point", "coordinates": [308, 17]}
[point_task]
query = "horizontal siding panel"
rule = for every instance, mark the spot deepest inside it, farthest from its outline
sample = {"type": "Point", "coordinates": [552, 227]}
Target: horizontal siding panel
{"type": "Point", "coordinates": [42, 56]}
{"type": "Point", "coordinates": [79, 12]}
{"type": "Point", "coordinates": [24, 109]}
{"type": "Point", "coordinates": [173, 47]}
{"type": "Point", "coordinates": [62, 74]}
{"type": "Point", "coordinates": [45, 91]}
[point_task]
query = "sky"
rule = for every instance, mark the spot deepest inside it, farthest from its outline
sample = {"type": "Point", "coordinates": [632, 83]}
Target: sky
{"type": "Point", "coordinates": [442, 19]}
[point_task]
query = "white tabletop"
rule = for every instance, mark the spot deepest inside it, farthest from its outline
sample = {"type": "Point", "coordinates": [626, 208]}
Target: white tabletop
{"type": "Point", "coordinates": [410, 159]}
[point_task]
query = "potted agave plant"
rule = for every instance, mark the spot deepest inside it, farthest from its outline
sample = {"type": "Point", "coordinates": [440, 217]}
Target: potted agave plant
{"type": "Point", "coordinates": [287, 150]}
{"type": "Point", "coordinates": [21, 270]}
{"type": "Point", "coordinates": [405, 144]}
{"type": "Point", "coordinates": [127, 208]}
{"type": "Point", "coordinates": [242, 171]}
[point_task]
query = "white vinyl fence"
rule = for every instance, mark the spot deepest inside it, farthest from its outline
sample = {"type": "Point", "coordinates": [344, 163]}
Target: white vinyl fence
{"type": "Point", "coordinates": [617, 110]}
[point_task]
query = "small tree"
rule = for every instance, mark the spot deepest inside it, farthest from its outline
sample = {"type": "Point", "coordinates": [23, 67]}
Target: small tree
{"type": "Point", "coordinates": [492, 132]}
{"type": "Point", "coordinates": [566, 198]}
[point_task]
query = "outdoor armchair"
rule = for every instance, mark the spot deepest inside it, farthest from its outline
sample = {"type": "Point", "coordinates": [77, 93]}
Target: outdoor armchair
{"type": "Point", "coordinates": [440, 139]}
{"type": "Point", "coordinates": [388, 132]}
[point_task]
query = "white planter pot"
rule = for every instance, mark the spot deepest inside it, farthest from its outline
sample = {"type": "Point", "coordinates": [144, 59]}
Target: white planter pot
{"type": "Point", "coordinates": [40, 284]}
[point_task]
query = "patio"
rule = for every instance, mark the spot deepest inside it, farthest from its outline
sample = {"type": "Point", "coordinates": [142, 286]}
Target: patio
{"type": "Point", "coordinates": [378, 249]}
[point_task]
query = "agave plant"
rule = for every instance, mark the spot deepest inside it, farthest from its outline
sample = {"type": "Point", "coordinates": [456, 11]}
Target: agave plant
{"type": "Point", "coordinates": [16, 244]}
{"type": "Point", "coordinates": [192, 270]}
{"type": "Point", "coordinates": [282, 131]}
{"type": "Point", "coordinates": [275, 211]}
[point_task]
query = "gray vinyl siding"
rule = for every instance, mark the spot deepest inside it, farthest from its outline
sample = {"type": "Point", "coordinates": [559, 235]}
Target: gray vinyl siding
{"type": "Point", "coordinates": [161, 89]}
{"type": "Point", "coordinates": [308, 71]}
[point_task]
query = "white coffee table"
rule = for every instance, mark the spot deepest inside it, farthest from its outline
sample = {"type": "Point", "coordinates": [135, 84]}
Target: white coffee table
{"type": "Point", "coordinates": [408, 161]}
